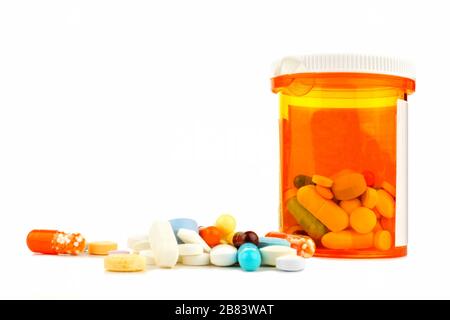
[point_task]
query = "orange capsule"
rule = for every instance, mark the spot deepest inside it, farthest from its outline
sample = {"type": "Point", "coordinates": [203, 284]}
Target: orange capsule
{"type": "Point", "coordinates": [55, 242]}
{"type": "Point", "coordinates": [305, 246]}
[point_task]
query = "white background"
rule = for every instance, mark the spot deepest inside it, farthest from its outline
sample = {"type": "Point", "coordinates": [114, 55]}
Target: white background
{"type": "Point", "coordinates": [114, 113]}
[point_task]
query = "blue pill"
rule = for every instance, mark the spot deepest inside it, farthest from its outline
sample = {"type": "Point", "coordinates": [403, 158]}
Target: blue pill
{"type": "Point", "coordinates": [249, 257]}
{"type": "Point", "coordinates": [269, 241]}
{"type": "Point", "coordinates": [246, 245]}
{"type": "Point", "coordinates": [183, 223]}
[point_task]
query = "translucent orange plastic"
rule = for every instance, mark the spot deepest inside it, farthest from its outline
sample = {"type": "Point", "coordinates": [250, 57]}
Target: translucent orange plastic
{"type": "Point", "coordinates": [55, 242]}
{"type": "Point", "coordinates": [340, 122]}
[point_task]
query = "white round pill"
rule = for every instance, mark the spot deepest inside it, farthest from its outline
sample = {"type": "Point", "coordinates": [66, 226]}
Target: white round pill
{"type": "Point", "coordinates": [190, 249]}
{"type": "Point", "coordinates": [290, 263]}
{"type": "Point", "coordinates": [198, 260]}
{"type": "Point", "coordinates": [141, 245]}
{"type": "Point", "coordinates": [149, 256]}
{"type": "Point", "coordinates": [223, 255]}
{"type": "Point", "coordinates": [269, 254]}
{"type": "Point", "coordinates": [136, 238]}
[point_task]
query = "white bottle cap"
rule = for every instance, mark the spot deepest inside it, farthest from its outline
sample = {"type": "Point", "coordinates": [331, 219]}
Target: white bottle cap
{"type": "Point", "coordinates": [357, 63]}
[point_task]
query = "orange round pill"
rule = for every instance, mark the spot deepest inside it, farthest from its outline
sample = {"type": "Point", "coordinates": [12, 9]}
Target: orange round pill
{"type": "Point", "coordinates": [322, 181]}
{"type": "Point", "coordinates": [211, 235]}
{"type": "Point", "coordinates": [350, 205]}
{"type": "Point", "coordinates": [324, 192]}
{"type": "Point", "coordinates": [363, 220]}
{"type": "Point", "coordinates": [101, 247]}
{"type": "Point", "coordinates": [349, 186]}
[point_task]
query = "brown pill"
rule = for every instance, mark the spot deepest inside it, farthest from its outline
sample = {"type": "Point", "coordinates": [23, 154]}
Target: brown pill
{"type": "Point", "coordinates": [239, 239]}
{"type": "Point", "coordinates": [252, 237]}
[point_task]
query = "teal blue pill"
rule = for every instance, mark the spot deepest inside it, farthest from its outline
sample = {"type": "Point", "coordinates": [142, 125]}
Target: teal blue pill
{"type": "Point", "coordinates": [249, 257]}
{"type": "Point", "coordinates": [269, 241]}
{"type": "Point", "coordinates": [246, 245]}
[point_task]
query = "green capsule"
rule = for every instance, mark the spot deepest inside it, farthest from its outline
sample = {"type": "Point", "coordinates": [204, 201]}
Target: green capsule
{"type": "Point", "coordinates": [302, 180]}
{"type": "Point", "coordinates": [313, 227]}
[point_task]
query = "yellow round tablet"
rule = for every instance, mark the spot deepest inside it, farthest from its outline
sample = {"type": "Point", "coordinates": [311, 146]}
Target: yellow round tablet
{"type": "Point", "coordinates": [125, 263]}
{"type": "Point", "coordinates": [101, 247]}
{"type": "Point", "coordinates": [226, 223]}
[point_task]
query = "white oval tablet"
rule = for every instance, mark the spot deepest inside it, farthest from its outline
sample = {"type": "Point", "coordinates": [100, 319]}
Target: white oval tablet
{"type": "Point", "coordinates": [136, 238]}
{"type": "Point", "coordinates": [149, 256]}
{"type": "Point", "coordinates": [141, 245]}
{"type": "Point", "coordinates": [269, 254]}
{"type": "Point", "coordinates": [190, 236]}
{"type": "Point", "coordinates": [164, 244]}
{"type": "Point", "coordinates": [198, 260]}
{"type": "Point", "coordinates": [223, 255]}
{"type": "Point", "coordinates": [190, 249]}
{"type": "Point", "coordinates": [290, 263]}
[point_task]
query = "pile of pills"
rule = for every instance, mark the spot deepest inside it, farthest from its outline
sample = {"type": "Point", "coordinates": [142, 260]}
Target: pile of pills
{"type": "Point", "coordinates": [182, 241]}
{"type": "Point", "coordinates": [345, 211]}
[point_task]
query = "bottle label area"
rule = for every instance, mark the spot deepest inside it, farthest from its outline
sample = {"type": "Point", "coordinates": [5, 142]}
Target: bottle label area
{"type": "Point", "coordinates": [401, 223]}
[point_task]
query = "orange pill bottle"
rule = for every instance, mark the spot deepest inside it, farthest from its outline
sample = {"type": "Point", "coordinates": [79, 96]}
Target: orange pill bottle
{"type": "Point", "coordinates": [344, 118]}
